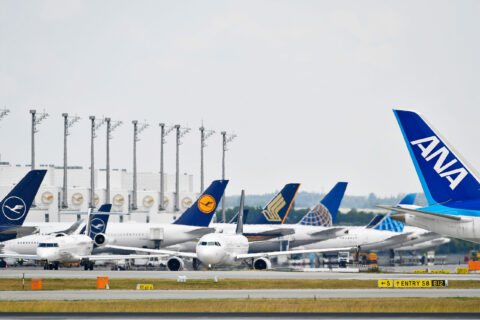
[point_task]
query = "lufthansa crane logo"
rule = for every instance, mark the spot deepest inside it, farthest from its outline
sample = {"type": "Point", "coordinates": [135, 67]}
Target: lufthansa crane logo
{"type": "Point", "coordinates": [271, 212]}
{"type": "Point", "coordinates": [14, 208]}
{"type": "Point", "coordinates": [97, 226]}
{"type": "Point", "coordinates": [77, 198]}
{"type": "Point", "coordinates": [206, 204]}
{"type": "Point", "coordinates": [148, 201]}
{"type": "Point", "coordinates": [47, 197]}
{"type": "Point", "coordinates": [186, 202]}
{"type": "Point", "coordinates": [118, 200]}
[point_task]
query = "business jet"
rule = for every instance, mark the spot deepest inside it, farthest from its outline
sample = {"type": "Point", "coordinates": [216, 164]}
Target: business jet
{"type": "Point", "coordinates": [450, 184]}
{"type": "Point", "coordinates": [16, 204]}
{"type": "Point", "coordinates": [225, 249]}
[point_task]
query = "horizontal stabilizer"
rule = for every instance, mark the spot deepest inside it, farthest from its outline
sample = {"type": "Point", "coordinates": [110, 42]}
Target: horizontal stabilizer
{"type": "Point", "coordinates": [432, 215]}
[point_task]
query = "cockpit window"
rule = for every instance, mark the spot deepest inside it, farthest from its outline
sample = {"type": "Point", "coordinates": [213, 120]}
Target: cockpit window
{"type": "Point", "coordinates": [217, 244]}
{"type": "Point", "coordinates": [48, 245]}
{"type": "Point", "coordinates": [203, 243]}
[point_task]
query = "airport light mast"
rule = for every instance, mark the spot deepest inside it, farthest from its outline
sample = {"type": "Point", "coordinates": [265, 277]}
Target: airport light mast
{"type": "Point", "coordinates": [204, 135]}
{"type": "Point", "coordinates": [110, 127]}
{"type": "Point", "coordinates": [136, 130]}
{"type": "Point", "coordinates": [94, 126]}
{"type": "Point", "coordinates": [4, 112]}
{"type": "Point", "coordinates": [227, 138]}
{"type": "Point", "coordinates": [35, 121]}
{"type": "Point", "coordinates": [181, 131]}
{"type": "Point", "coordinates": [67, 123]}
{"type": "Point", "coordinates": [163, 134]}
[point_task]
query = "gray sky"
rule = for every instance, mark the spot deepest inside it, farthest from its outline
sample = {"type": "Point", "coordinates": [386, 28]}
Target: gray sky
{"type": "Point", "coordinates": [308, 86]}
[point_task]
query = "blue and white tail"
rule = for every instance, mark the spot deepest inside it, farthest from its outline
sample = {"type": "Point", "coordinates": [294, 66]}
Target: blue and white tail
{"type": "Point", "coordinates": [324, 213]}
{"type": "Point", "coordinates": [388, 224]}
{"type": "Point", "coordinates": [276, 211]}
{"type": "Point", "coordinates": [201, 212]}
{"type": "Point", "coordinates": [445, 176]}
{"type": "Point", "coordinates": [98, 220]}
{"type": "Point", "coordinates": [16, 204]}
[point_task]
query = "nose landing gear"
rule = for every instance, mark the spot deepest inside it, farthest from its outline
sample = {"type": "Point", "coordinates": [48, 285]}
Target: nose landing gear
{"type": "Point", "coordinates": [88, 265]}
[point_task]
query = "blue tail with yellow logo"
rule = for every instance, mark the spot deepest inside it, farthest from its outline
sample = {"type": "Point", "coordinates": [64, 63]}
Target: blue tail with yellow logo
{"type": "Point", "coordinates": [388, 224]}
{"type": "Point", "coordinates": [201, 212]}
{"type": "Point", "coordinates": [15, 206]}
{"type": "Point", "coordinates": [324, 213]}
{"type": "Point", "coordinates": [276, 211]}
{"type": "Point", "coordinates": [444, 175]}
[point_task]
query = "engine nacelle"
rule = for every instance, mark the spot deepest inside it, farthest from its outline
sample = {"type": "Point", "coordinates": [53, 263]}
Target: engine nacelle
{"type": "Point", "coordinates": [175, 264]}
{"type": "Point", "coordinates": [100, 239]}
{"type": "Point", "coordinates": [262, 264]}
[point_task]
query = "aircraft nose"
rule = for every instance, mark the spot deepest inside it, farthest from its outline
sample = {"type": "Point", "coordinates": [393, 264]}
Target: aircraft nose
{"type": "Point", "coordinates": [209, 255]}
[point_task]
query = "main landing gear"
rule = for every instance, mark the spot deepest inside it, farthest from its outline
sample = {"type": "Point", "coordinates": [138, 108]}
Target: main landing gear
{"type": "Point", "coordinates": [88, 265]}
{"type": "Point", "coordinates": [51, 266]}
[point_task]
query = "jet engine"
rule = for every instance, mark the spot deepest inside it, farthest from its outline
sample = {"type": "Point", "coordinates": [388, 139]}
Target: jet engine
{"type": "Point", "coordinates": [175, 264]}
{"type": "Point", "coordinates": [262, 264]}
{"type": "Point", "coordinates": [100, 239]}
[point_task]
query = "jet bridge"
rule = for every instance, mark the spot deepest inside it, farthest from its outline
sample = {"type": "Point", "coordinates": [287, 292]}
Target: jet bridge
{"type": "Point", "coordinates": [156, 235]}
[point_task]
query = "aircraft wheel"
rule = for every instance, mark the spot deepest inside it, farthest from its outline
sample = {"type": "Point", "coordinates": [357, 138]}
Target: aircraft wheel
{"type": "Point", "coordinates": [55, 266]}
{"type": "Point", "coordinates": [90, 266]}
{"type": "Point", "coordinates": [50, 266]}
{"type": "Point", "coordinates": [85, 266]}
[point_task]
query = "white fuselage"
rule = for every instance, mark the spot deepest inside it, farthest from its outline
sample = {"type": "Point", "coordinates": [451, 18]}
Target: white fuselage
{"type": "Point", "coordinates": [220, 249]}
{"type": "Point", "coordinates": [65, 249]}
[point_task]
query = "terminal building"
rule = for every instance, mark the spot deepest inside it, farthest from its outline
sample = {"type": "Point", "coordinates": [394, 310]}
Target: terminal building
{"type": "Point", "coordinates": [49, 205]}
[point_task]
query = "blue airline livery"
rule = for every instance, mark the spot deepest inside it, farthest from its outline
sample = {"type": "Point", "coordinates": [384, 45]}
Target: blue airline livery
{"type": "Point", "coordinates": [388, 224]}
{"type": "Point", "coordinates": [98, 220]}
{"type": "Point", "coordinates": [201, 212]}
{"type": "Point", "coordinates": [324, 213]}
{"type": "Point", "coordinates": [450, 184]}
{"type": "Point", "coordinates": [15, 206]}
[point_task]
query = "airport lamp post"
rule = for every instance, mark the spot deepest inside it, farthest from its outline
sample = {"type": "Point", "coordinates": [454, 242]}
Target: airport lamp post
{"type": "Point", "coordinates": [181, 131]}
{"type": "Point", "coordinates": [136, 131]}
{"type": "Point", "coordinates": [35, 121]}
{"type": "Point", "coordinates": [110, 127]}
{"type": "Point", "coordinates": [67, 123]}
{"type": "Point", "coordinates": [163, 134]}
{"type": "Point", "coordinates": [94, 126]}
{"type": "Point", "coordinates": [226, 138]}
{"type": "Point", "coordinates": [204, 135]}
{"type": "Point", "coordinates": [4, 112]}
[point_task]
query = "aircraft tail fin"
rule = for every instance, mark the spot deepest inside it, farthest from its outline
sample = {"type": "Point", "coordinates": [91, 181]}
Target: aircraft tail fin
{"type": "Point", "coordinates": [99, 220]}
{"type": "Point", "coordinates": [239, 229]}
{"type": "Point", "coordinates": [17, 203]}
{"type": "Point", "coordinates": [445, 176]}
{"type": "Point", "coordinates": [276, 211]}
{"type": "Point", "coordinates": [388, 224]}
{"type": "Point", "coordinates": [324, 213]}
{"type": "Point", "coordinates": [201, 212]}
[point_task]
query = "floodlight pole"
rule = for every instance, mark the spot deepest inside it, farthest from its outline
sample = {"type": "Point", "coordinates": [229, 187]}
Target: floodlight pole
{"type": "Point", "coordinates": [35, 122]}
{"type": "Point", "coordinates": [94, 127]}
{"type": "Point", "coordinates": [204, 135]}
{"type": "Point", "coordinates": [66, 125]}
{"type": "Point", "coordinates": [181, 131]}
{"type": "Point", "coordinates": [136, 131]}
{"type": "Point", "coordinates": [110, 128]}
{"type": "Point", "coordinates": [226, 138]}
{"type": "Point", "coordinates": [163, 134]}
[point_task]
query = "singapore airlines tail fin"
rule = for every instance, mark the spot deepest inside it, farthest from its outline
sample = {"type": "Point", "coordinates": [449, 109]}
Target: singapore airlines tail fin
{"type": "Point", "coordinates": [15, 206]}
{"type": "Point", "coordinates": [445, 176]}
{"type": "Point", "coordinates": [276, 211]}
{"type": "Point", "coordinates": [201, 212]}
{"type": "Point", "coordinates": [388, 224]}
{"type": "Point", "coordinates": [324, 213]}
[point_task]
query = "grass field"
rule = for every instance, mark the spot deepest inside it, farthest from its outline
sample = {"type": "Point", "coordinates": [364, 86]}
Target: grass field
{"type": "Point", "coordinates": [250, 305]}
{"type": "Point", "coordinates": [166, 284]}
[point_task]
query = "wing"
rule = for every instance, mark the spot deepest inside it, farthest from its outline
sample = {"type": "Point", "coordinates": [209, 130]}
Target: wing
{"type": "Point", "coordinates": [201, 231]}
{"type": "Point", "coordinates": [120, 256]}
{"type": "Point", "coordinates": [280, 253]}
{"type": "Point", "coordinates": [329, 233]}
{"type": "Point", "coordinates": [156, 251]}
{"type": "Point", "coordinates": [20, 256]}
{"type": "Point", "coordinates": [425, 214]}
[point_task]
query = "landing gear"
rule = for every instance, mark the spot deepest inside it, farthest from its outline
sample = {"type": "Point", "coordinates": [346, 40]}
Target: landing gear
{"type": "Point", "coordinates": [88, 265]}
{"type": "Point", "coordinates": [51, 266]}
{"type": "Point", "coordinates": [196, 264]}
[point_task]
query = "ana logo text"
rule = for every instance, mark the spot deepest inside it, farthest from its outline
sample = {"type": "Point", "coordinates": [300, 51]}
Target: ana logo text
{"type": "Point", "coordinates": [271, 212]}
{"type": "Point", "coordinates": [206, 203]}
{"type": "Point", "coordinates": [14, 208]}
{"type": "Point", "coordinates": [427, 146]}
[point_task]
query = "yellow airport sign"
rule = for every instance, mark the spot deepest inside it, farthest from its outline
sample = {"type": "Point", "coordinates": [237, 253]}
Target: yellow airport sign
{"type": "Point", "coordinates": [143, 286]}
{"type": "Point", "coordinates": [385, 283]}
{"type": "Point", "coordinates": [420, 283]}
{"type": "Point", "coordinates": [462, 270]}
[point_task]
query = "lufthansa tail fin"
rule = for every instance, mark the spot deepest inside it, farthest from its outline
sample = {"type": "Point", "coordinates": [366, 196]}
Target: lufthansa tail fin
{"type": "Point", "coordinates": [99, 220]}
{"type": "Point", "coordinates": [276, 211]}
{"type": "Point", "coordinates": [16, 204]}
{"type": "Point", "coordinates": [445, 176]}
{"type": "Point", "coordinates": [201, 212]}
{"type": "Point", "coordinates": [324, 213]}
{"type": "Point", "coordinates": [388, 224]}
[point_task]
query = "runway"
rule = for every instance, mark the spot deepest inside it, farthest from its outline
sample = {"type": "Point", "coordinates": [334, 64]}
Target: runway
{"type": "Point", "coordinates": [81, 274]}
{"type": "Point", "coordinates": [236, 294]}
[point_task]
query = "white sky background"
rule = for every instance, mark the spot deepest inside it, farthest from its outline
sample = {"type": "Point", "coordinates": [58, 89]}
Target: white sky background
{"type": "Point", "coordinates": [308, 86]}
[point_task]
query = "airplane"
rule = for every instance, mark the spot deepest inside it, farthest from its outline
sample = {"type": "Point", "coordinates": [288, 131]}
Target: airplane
{"type": "Point", "coordinates": [450, 184]}
{"type": "Point", "coordinates": [55, 249]}
{"type": "Point", "coordinates": [16, 204]}
{"type": "Point", "coordinates": [225, 249]}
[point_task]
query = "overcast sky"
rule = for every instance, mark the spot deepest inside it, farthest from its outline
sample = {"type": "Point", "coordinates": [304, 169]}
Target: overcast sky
{"type": "Point", "coordinates": [308, 86]}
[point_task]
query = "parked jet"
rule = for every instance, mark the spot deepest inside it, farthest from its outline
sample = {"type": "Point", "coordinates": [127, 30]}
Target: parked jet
{"type": "Point", "coordinates": [450, 184]}
{"type": "Point", "coordinates": [15, 206]}
{"type": "Point", "coordinates": [225, 249]}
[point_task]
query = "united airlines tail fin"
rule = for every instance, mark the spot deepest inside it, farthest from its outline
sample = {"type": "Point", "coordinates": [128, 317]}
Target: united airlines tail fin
{"type": "Point", "coordinates": [445, 176]}
{"type": "Point", "coordinates": [201, 212]}
{"type": "Point", "coordinates": [388, 224]}
{"type": "Point", "coordinates": [276, 211]}
{"type": "Point", "coordinates": [324, 213]}
{"type": "Point", "coordinates": [16, 204]}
